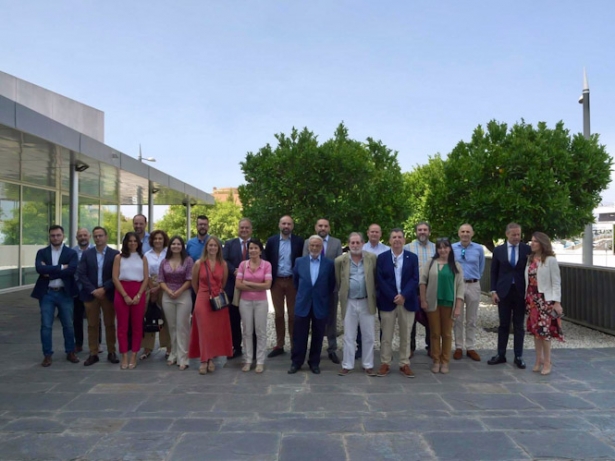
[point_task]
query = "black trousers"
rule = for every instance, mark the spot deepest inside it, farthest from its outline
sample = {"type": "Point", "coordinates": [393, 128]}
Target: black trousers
{"type": "Point", "coordinates": [513, 305]}
{"type": "Point", "coordinates": [300, 339]}
{"type": "Point", "coordinates": [421, 318]}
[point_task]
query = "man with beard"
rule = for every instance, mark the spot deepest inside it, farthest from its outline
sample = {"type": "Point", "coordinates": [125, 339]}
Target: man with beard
{"type": "Point", "coordinates": [195, 245]}
{"type": "Point", "coordinates": [355, 275]}
{"type": "Point", "coordinates": [281, 251]}
{"type": "Point", "coordinates": [139, 223]}
{"type": "Point", "coordinates": [332, 248]}
{"type": "Point", "coordinates": [83, 243]}
{"type": "Point", "coordinates": [425, 251]}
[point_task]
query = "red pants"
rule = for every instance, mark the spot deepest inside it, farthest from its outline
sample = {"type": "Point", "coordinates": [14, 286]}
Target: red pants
{"type": "Point", "coordinates": [129, 315]}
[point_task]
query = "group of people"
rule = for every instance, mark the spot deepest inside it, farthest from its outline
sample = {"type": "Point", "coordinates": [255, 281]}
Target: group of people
{"type": "Point", "coordinates": [433, 284]}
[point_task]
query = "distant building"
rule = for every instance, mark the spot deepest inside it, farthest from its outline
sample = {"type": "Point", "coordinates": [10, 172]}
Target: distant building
{"type": "Point", "coordinates": [223, 193]}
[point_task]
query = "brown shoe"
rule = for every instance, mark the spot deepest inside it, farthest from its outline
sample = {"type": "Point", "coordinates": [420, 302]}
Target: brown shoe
{"type": "Point", "coordinates": [458, 354]}
{"type": "Point", "coordinates": [370, 372]}
{"type": "Point", "coordinates": [473, 355]}
{"type": "Point", "coordinates": [46, 361]}
{"type": "Point", "coordinates": [71, 357]}
{"type": "Point", "coordinates": [406, 371]}
{"type": "Point", "coordinates": [383, 370]}
{"type": "Point", "coordinates": [344, 372]}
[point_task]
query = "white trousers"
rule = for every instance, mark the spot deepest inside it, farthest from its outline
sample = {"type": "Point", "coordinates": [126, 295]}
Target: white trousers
{"type": "Point", "coordinates": [254, 318]}
{"type": "Point", "coordinates": [177, 313]}
{"type": "Point", "coordinates": [358, 314]}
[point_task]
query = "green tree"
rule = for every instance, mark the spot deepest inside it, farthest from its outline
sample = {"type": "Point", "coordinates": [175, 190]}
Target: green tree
{"type": "Point", "coordinates": [542, 178]}
{"type": "Point", "coordinates": [351, 183]}
{"type": "Point", "coordinates": [223, 219]}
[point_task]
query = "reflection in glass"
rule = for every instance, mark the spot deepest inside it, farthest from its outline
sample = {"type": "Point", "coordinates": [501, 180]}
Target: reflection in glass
{"type": "Point", "coordinates": [9, 235]}
{"type": "Point", "coordinates": [89, 213]}
{"type": "Point", "coordinates": [9, 153]}
{"type": "Point", "coordinates": [108, 219]}
{"type": "Point", "coordinates": [39, 161]}
{"type": "Point", "coordinates": [38, 213]}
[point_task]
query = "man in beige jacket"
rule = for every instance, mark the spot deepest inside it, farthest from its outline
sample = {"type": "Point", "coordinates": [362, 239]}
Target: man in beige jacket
{"type": "Point", "coordinates": [355, 274]}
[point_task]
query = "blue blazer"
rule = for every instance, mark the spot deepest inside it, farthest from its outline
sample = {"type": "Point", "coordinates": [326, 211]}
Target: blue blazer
{"type": "Point", "coordinates": [88, 273]}
{"type": "Point", "coordinates": [272, 252]}
{"type": "Point", "coordinates": [315, 296]}
{"type": "Point", "coordinates": [386, 287]}
{"type": "Point", "coordinates": [232, 255]}
{"type": "Point", "coordinates": [69, 257]}
{"type": "Point", "coordinates": [502, 273]}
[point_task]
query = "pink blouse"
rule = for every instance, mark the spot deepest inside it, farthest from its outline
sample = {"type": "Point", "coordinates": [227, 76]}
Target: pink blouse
{"type": "Point", "coordinates": [260, 275]}
{"type": "Point", "coordinates": [175, 278]}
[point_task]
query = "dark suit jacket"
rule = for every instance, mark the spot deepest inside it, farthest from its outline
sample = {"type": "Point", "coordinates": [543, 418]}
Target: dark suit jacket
{"type": "Point", "coordinates": [385, 281]}
{"type": "Point", "coordinates": [315, 296]}
{"type": "Point", "coordinates": [334, 248]}
{"type": "Point", "coordinates": [502, 273]}
{"type": "Point", "coordinates": [68, 257]}
{"type": "Point", "coordinates": [88, 274]}
{"type": "Point", "coordinates": [232, 255]}
{"type": "Point", "coordinates": [272, 252]}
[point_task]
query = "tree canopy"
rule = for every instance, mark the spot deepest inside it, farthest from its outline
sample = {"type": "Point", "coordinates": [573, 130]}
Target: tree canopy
{"type": "Point", "coordinates": [544, 179]}
{"type": "Point", "coordinates": [351, 183]}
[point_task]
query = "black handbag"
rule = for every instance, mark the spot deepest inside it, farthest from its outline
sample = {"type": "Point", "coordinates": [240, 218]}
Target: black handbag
{"type": "Point", "coordinates": [152, 321]}
{"type": "Point", "coordinates": [217, 302]}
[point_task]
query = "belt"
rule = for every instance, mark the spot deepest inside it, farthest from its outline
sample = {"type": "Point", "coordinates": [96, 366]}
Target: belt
{"type": "Point", "coordinates": [471, 280]}
{"type": "Point", "coordinates": [287, 277]}
{"type": "Point", "coordinates": [55, 289]}
{"type": "Point", "coordinates": [364, 297]}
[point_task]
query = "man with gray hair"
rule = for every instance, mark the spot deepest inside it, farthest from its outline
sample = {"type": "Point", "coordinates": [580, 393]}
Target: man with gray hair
{"type": "Point", "coordinates": [355, 275]}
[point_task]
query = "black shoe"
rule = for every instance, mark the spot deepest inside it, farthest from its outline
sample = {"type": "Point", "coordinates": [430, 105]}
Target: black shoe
{"type": "Point", "coordinates": [358, 354]}
{"type": "Point", "coordinates": [293, 369]}
{"type": "Point", "coordinates": [333, 358]}
{"type": "Point", "coordinates": [91, 360]}
{"type": "Point", "coordinates": [112, 357]}
{"type": "Point", "coordinates": [520, 363]}
{"type": "Point", "coordinates": [315, 369]}
{"type": "Point", "coordinates": [496, 360]}
{"type": "Point", "coordinates": [275, 352]}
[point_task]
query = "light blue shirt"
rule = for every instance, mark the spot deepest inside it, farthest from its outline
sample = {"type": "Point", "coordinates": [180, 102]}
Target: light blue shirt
{"type": "Point", "coordinates": [356, 288]}
{"type": "Point", "coordinates": [398, 265]}
{"type": "Point", "coordinates": [145, 243]}
{"type": "Point", "coordinates": [471, 258]}
{"type": "Point", "coordinates": [195, 247]}
{"type": "Point", "coordinates": [284, 265]}
{"type": "Point", "coordinates": [380, 248]}
{"type": "Point", "coordinates": [100, 260]}
{"type": "Point", "coordinates": [314, 269]}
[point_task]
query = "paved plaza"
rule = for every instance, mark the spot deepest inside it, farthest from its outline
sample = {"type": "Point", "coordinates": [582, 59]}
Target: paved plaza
{"type": "Point", "coordinates": [156, 412]}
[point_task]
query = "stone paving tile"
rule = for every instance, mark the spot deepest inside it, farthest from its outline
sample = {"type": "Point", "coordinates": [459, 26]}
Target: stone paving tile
{"type": "Point", "coordinates": [472, 446]}
{"type": "Point", "coordinates": [93, 402]}
{"type": "Point", "coordinates": [196, 425]}
{"type": "Point", "coordinates": [537, 422]}
{"type": "Point", "coordinates": [130, 388]}
{"type": "Point", "coordinates": [405, 402]}
{"type": "Point", "coordinates": [558, 400]}
{"type": "Point", "coordinates": [38, 425]}
{"type": "Point", "coordinates": [602, 422]}
{"type": "Point", "coordinates": [522, 388]}
{"type": "Point", "coordinates": [602, 400]}
{"type": "Point", "coordinates": [46, 446]}
{"type": "Point", "coordinates": [485, 388]}
{"type": "Point", "coordinates": [329, 402]}
{"type": "Point", "coordinates": [248, 402]}
{"type": "Point", "coordinates": [176, 403]}
{"type": "Point", "coordinates": [133, 446]}
{"type": "Point", "coordinates": [296, 425]}
{"type": "Point", "coordinates": [257, 446]}
{"type": "Point", "coordinates": [402, 424]}
{"type": "Point", "coordinates": [459, 401]}
{"type": "Point", "coordinates": [563, 444]}
{"type": "Point", "coordinates": [33, 402]}
{"type": "Point", "coordinates": [308, 447]}
{"type": "Point", "coordinates": [94, 425]}
{"type": "Point", "coordinates": [389, 447]}
{"type": "Point", "coordinates": [43, 375]}
{"type": "Point", "coordinates": [150, 425]}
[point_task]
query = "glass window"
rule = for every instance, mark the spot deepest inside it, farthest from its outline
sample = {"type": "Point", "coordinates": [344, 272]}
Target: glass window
{"type": "Point", "coordinates": [108, 182]}
{"type": "Point", "coordinates": [108, 219]}
{"type": "Point", "coordinates": [38, 213]}
{"type": "Point", "coordinates": [9, 235]}
{"type": "Point", "coordinates": [10, 141]}
{"type": "Point", "coordinates": [89, 180]}
{"type": "Point", "coordinates": [39, 161]}
{"type": "Point", "coordinates": [89, 213]}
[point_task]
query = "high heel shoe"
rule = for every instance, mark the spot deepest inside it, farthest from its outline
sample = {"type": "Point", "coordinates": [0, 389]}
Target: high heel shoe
{"type": "Point", "coordinates": [211, 366]}
{"type": "Point", "coordinates": [203, 368]}
{"type": "Point", "coordinates": [536, 368]}
{"type": "Point", "coordinates": [133, 362]}
{"type": "Point", "coordinates": [546, 369]}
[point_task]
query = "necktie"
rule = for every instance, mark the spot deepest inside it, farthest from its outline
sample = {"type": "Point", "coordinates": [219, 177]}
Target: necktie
{"type": "Point", "coordinates": [243, 249]}
{"type": "Point", "coordinates": [513, 261]}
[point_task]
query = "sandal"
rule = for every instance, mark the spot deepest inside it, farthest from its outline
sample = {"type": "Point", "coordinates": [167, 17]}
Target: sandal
{"type": "Point", "coordinates": [259, 368]}
{"type": "Point", "coordinates": [246, 367]}
{"type": "Point", "coordinates": [183, 367]}
{"type": "Point", "coordinates": [211, 366]}
{"type": "Point", "coordinates": [203, 368]}
{"type": "Point", "coordinates": [145, 355]}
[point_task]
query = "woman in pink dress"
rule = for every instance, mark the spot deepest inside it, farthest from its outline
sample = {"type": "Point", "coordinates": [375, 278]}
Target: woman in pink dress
{"type": "Point", "coordinates": [211, 330]}
{"type": "Point", "coordinates": [543, 300]}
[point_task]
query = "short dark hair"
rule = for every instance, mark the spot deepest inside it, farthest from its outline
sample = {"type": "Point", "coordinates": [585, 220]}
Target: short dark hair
{"type": "Point", "coordinates": [99, 228]}
{"type": "Point", "coordinates": [396, 229]}
{"type": "Point", "coordinates": [165, 238]}
{"type": "Point", "coordinates": [125, 253]}
{"type": "Point", "coordinates": [202, 216]}
{"type": "Point", "coordinates": [422, 223]}
{"type": "Point", "coordinates": [182, 254]}
{"type": "Point", "coordinates": [139, 214]}
{"type": "Point", "coordinates": [56, 227]}
{"type": "Point", "coordinates": [256, 242]}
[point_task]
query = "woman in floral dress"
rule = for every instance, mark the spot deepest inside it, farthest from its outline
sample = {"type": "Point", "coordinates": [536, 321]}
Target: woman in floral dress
{"type": "Point", "coordinates": [543, 300]}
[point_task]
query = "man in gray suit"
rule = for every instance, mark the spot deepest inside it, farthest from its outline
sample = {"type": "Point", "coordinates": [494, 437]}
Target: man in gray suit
{"type": "Point", "coordinates": [332, 248]}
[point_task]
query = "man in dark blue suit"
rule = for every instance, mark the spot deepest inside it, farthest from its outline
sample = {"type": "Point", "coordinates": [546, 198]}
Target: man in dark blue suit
{"type": "Point", "coordinates": [281, 251]}
{"type": "Point", "coordinates": [95, 273]}
{"type": "Point", "coordinates": [314, 279]}
{"type": "Point", "coordinates": [235, 251]}
{"type": "Point", "coordinates": [56, 287]}
{"type": "Point", "coordinates": [508, 292]}
{"type": "Point", "coordinates": [397, 279]}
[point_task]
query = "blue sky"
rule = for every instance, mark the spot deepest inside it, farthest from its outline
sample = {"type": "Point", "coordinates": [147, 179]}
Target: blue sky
{"type": "Point", "coordinates": [201, 83]}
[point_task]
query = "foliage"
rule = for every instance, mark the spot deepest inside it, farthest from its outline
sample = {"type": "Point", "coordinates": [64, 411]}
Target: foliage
{"type": "Point", "coordinates": [352, 184]}
{"type": "Point", "coordinates": [542, 178]}
{"type": "Point", "coordinates": [223, 219]}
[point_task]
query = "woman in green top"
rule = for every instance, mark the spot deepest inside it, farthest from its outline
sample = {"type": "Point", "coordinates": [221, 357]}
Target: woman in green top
{"type": "Point", "coordinates": [442, 289]}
